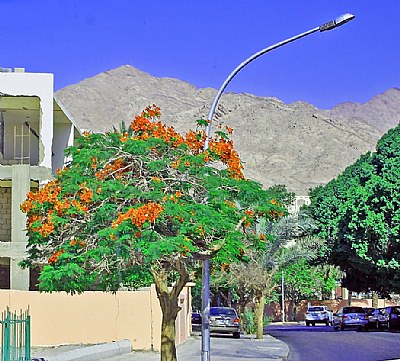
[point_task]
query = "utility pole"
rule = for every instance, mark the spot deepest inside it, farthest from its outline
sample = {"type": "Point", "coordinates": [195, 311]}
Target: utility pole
{"type": "Point", "coordinates": [283, 297]}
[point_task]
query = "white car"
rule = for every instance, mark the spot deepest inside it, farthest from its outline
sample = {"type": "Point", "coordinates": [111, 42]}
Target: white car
{"type": "Point", "coordinates": [319, 314]}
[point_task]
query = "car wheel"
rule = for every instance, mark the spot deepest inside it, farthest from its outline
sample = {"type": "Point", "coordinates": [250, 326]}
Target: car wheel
{"type": "Point", "coordinates": [313, 323]}
{"type": "Point", "coordinates": [236, 335]}
{"type": "Point", "coordinates": [307, 323]}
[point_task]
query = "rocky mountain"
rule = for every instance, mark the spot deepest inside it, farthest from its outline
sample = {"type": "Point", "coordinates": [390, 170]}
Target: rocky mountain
{"type": "Point", "coordinates": [293, 144]}
{"type": "Point", "coordinates": [382, 111]}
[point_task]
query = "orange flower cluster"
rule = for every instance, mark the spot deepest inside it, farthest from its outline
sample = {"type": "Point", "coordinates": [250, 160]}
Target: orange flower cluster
{"type": "Point", "coordinates": [275, 214]}
{"type": "Point", "coordinates": [53, 259]}
{"type": "Point", "coordinates": [229, 156]}
{"type": "Point", "coordinates": [86, 195]}
{"type": "Point", "coordinates": [124, 137]}
{"type": "Point", "coordinates": [146, 128]}
{"type": "Point", "coordinates": [113, 167]}
{"type": "Point", "coordinates": [78, 242]}
{"type": "Point", "coordinates": [172, 197]}
{"type": "Point", "coordinates": [80, 206]}
{"type": "Point", "coordinates": [249, 212]}
{"type": "Point", "coordinates": [273, 201]}
{"type": "Point", "coordinates": [194, 141]}
{"type": "Point", "coordinates": [48, 193]}
{"type": "Point", "coordinates": [148, 212]}
{"type": "Point", "coordinates": [62, 206]}
{"type": "Point", "coordinates": [230, 204]}
{"type": "Point", "coordinates": [152, 111]}
{"type": "Point", "coordinates": [47, 228]}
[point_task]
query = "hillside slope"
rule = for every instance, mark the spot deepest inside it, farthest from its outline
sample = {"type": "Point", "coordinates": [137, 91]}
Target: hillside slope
{"type": "Point", "coordinates": [294, 144]}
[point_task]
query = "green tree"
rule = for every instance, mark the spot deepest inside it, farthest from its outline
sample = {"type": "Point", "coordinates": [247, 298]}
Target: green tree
{"type": "Point", "coordinates": [257, 277]}
{"type": "Point", "coordinates": [359, 214]}
{"type": "Point", "coordinates": [304, 281]}
{"type": "Point", "coordinates": [143, 202]}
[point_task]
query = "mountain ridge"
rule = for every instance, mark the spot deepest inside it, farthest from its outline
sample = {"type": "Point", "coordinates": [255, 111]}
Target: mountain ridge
{"type": "Point", "coordinates": [294, 144]}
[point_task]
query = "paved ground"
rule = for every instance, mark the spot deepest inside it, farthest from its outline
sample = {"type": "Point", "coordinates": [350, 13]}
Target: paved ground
{"type": "Point", "coordinates": [222, 348]}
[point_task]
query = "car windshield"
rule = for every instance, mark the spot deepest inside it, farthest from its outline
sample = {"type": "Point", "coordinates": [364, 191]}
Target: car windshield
{"type": "Point", "coordinates": [214, 311]}
{"type": "Point", "coordinates": [315, 309]}
{"type": "Point", "coordinates": [353, 310]}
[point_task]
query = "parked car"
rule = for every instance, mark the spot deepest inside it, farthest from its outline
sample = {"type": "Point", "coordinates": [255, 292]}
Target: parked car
{"type": "Point", "coordinates": [350, 317]}
{"type": "Point", "coordinates": [224, 320]}
{"type": "Point", "coordinates": [196, 321]}
{"type": "Point", "coordinates": [319, 314]}
{"type": "Point", "coordinates": [377, 318]}
{"type": "Point", "coordinates": [393, 313]}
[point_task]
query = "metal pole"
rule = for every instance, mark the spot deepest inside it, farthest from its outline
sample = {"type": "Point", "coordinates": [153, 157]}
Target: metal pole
{"type": "Point", "coordinates": [205, 312]}
{"type": "Point", "coordinates": [205, 324]}
{"type": "Point", "coordinates": [283, 297]}
{"type": "Point", "coordinates": [240, 67]}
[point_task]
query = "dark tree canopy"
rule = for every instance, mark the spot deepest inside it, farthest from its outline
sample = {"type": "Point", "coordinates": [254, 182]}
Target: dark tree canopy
{"type": "Point", "coordinates": [359, 214]}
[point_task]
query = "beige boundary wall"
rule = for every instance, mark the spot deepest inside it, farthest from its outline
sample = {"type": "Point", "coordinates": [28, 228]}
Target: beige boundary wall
{"type": "Point", "coordinates": [274, 310]}
{"type": "Point", "coordinates": [97, 317]}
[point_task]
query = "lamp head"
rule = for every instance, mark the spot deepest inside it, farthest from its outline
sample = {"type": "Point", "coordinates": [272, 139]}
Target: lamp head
{"type": "Point", "coordinates": [340, 20]}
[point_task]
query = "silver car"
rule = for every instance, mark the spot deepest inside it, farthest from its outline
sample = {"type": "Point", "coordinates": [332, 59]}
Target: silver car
{"type": "Point", "coordinates": [350, 317]}
{"type": "Point", "coordinates": [318, 314]}
{"type": "Point", "coordinates": [224, 320]}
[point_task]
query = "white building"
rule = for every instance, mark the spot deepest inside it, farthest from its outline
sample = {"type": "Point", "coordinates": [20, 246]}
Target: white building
{"type": "Point", "coordinates": [34, 131]}
{"type": "Point", "coordinates": [299, 201]}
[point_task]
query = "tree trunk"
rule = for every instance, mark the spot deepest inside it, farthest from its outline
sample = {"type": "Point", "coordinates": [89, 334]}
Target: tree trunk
{"type": "Point", "coordinates": [241, 309]}
{"type": "Point", "coordinates": [168, 299]}
{"type": "Point", "coordinates": [349, 298]}
{"type": "Point", "coordinates": [259, 314]}
{"type": "Point", "coordinates": [293, 310]}
{"type": "Point", "coordinates": [375, 299]}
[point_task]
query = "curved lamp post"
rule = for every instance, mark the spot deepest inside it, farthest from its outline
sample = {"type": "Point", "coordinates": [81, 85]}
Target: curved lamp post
{"type": "Point", "coordinates": [205, 325]}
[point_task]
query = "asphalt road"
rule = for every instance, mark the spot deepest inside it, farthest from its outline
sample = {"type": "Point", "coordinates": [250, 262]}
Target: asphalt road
{"type": "Point", "coordinates": [321, 343]}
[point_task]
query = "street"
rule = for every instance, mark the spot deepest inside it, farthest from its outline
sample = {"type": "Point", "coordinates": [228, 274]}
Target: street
{"type": "Point", "coordinates": [321, 343]}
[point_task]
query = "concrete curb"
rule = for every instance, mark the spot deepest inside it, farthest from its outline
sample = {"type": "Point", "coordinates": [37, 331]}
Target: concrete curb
{"type": "Point", "coordinates": [281, 349]}
{"type": "Point", "coordinates": [96, 352]}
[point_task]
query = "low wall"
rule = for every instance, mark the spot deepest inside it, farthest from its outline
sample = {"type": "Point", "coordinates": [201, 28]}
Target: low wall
{"type": "Point", "coordinates": [274, 310]}
{"type": "Point", "coordinates": [97, 317]}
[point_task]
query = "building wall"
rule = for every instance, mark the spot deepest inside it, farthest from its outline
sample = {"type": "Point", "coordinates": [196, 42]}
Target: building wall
{"type": "Point", "coordinates": [19, 89]}
{"type": "Point", "coordinates": [5, 214]}
{"type": "Point", "coordinates": [97, 317]}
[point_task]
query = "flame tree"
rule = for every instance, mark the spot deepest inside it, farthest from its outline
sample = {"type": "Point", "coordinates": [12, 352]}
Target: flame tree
{"type": "Point", "coordinates": [144, 201]}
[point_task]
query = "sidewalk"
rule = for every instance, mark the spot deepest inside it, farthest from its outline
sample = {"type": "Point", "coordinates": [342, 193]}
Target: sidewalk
{"type": "Point", "coordinates": [222, 348]}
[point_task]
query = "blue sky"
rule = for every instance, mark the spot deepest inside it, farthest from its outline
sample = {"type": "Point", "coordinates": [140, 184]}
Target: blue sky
{"type": "Point", "coordinates": [202, 41]}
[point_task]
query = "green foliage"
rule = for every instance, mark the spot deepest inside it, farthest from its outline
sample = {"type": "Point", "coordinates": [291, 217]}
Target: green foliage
{"type": "Point", "coordinates": [127, 204]}
{"type": "Point", "coordinates": [249, 324]}
{"type": "Point", "coordinates": [305, 281]}
{"type": "Point", "coordinates": [359, 214]}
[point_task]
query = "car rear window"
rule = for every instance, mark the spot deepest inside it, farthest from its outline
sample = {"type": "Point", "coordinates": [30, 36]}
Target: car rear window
{"type": "Point", "coordinates": [315, 309]}
{"type": "Point", "coordinates": [222, 311]}
{"type": "Point", "coordinates": [353, 310]}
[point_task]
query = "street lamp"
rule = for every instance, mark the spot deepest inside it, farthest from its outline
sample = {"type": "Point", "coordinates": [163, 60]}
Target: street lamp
{"type": "Point", "coordinates": [340, 20]}
{"type": "Point", "coordinates": [205, 325]}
